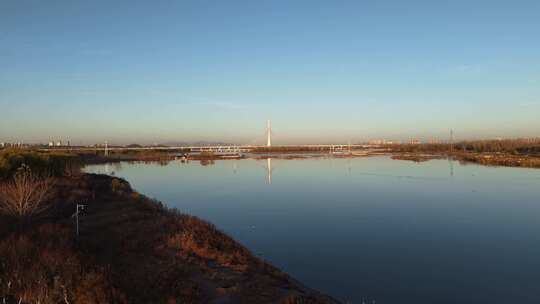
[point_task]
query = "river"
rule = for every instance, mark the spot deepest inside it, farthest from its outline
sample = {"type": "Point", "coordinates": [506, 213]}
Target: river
{"type": "Point", "coordinates": [372, 230]}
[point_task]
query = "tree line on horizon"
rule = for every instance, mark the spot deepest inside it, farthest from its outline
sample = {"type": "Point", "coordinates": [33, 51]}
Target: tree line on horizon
{"type": "Point", "coordinates": [510, 146]}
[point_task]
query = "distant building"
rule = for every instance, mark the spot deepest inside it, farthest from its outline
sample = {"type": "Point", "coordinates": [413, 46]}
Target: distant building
{"type": "Point", "coordinates": [2, 145]}
{"type": "Point", "coordinates": [51, 144]}
{"type": "Point", "coordinates": [415, 142]}
{"type": "Point", "coordinates": [59, 143]}
{"type": "Point", "coordinates": [383, 142]}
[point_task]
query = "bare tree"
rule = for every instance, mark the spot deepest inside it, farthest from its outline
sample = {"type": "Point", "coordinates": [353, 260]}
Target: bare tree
{"type": "Point", "coordinates": [25, 195]}
{"type": "Point", "coordinates": [72, 167]}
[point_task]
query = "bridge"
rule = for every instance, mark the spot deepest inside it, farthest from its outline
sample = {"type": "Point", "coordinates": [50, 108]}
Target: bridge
{"type": "Point", "coordinates": [221, 148]}
{"type": "Point", "coordinates": [332, 148]}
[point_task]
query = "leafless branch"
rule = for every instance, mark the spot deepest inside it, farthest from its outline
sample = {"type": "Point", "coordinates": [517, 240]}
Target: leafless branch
{"type": "Point", "coordinates": [26, 193]}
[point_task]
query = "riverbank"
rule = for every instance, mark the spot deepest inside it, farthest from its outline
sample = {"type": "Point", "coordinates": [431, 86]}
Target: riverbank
{"type": "Point", "coordinates": [507, 153]}
{"type": "Point", "coordinates": [486, 159]}
{"type": "Point", "coordinates": [499, 159]}
{"type": "Point", "coordinates": [208, 157]}
{"type": "Point", "coordinates": [132, 249]}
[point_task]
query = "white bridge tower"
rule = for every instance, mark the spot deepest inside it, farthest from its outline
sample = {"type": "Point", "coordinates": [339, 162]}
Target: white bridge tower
{"type": "Point", "coordinates": [268, 134]}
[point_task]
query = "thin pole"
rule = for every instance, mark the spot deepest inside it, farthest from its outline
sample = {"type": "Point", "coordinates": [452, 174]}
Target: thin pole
{"type": "Point", "coordinates": [451, 140]}
{"type": "Point", "coordinates": [77, 220]}
{"type": "Point", "coordinates": [77, 210]}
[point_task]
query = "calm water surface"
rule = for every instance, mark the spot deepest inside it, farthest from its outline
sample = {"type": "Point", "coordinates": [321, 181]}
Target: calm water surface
{"type": "Point", "coordinates": [370, 229]}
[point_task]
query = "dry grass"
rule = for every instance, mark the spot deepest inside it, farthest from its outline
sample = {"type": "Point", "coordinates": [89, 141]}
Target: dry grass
{"type": "Point", "coordinates": [203, 240]}
{"type": "Point", "coordinates": [418, 158]}
{"type": "Point", "coordinates": [494, 159]}
{"type": "Point", "coordinates": [41, 266]}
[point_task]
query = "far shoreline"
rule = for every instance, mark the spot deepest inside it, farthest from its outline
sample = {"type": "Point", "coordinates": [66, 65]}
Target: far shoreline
{"type": "Point", "coordinates": [485, 159]}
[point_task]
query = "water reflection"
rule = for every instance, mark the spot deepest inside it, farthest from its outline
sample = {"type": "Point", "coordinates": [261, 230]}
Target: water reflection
{"type": "Point", "coordinates": [267, 167]}
{"type": "Point", "coordinates": [207, 162]}
{"type": "Point", "coordinates": [269, 171]}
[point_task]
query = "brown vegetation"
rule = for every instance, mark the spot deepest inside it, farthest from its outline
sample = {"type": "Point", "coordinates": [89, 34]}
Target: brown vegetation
{"type": "Point", "coordinates": [510, 153]}
{"type": "Point", "coordinates": [498, 159]}
{"type": "Point", "coordinates": [509, 146]}
{"type": "Point", "coordinates": [26, 194]}
{"type": "Point", "coordinates": [418, 158]}
{"type": "Point", "coordinates": [43, 266]}
{"type": "Point", "coordinates": [53, 164]}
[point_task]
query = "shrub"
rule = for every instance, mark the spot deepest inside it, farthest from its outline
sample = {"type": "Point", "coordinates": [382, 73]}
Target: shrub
{"type": "Point", "coordinates": [41, 267]}
{"type": "Point", "coordinates": [204, 240]}
{"type": "Point", "coordinates": [53, 164]}
{"type": "Point", "coordinates": [119, 186]}
{"type": "Point", "coordinates": [26, 194]}
{"type": "Point", "coordinates": [11, 160]}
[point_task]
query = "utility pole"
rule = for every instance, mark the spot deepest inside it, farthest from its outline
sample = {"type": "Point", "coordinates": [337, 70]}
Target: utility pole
{"type": "Point", "coordinates": [78, 209]}
{"type": "Point", "coordinates": [106, 148]}
{"type": "Point", "coordinates": [451, 141]}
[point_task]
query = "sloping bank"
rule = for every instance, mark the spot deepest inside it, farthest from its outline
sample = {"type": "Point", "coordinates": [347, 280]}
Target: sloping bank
{"type": "Point", "coordinates": [132, 249]}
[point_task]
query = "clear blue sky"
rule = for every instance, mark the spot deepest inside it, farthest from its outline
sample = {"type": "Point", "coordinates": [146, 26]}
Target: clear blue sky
{"type": "Point", "coordinates": [323, 71]}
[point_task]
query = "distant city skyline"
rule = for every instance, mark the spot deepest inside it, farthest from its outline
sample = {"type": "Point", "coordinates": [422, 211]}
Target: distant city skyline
{"type": "Point", "coordinates": [303, 141]}
{"type": "Point", "coordinates": [322, 71]}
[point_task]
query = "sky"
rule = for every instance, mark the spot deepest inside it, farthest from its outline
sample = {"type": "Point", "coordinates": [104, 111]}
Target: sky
{"type": "Point", "coordinates": [322, 71]}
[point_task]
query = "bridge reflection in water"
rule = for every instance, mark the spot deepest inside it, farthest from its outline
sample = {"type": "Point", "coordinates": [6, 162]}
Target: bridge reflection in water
{"type": "Point", "coordinates": [269, 171]}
